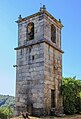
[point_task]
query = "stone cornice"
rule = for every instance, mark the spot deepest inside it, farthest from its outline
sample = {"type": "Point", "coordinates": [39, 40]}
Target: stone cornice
{"type": "Point", "coordinates": [39, 13]}
{"type": "Point", "coordinates": [38, 42]}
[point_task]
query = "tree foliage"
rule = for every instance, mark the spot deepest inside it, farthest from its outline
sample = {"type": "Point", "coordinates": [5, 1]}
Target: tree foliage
{"type": "Point", "coordinates": [71, 90]}
{"type": "Point", "coordinates": [6, 100]}
{"type": "Point", "coordinates": [6, 113]}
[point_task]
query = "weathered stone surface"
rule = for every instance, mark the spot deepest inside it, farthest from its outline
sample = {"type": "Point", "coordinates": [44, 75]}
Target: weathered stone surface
{"type": "Point", "coordinates": [39, 67]}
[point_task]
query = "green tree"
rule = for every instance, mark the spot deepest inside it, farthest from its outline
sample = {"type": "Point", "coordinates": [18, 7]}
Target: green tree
{"type": "Point", "coordinates": [2, 114]}
{"type": "Point", "coordinates": [6, 113]}
{"type": "Point", "coordinates": [71, 89]}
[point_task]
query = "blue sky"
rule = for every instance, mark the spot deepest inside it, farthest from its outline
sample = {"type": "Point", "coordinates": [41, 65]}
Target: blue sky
{"type": "Point", "coordinates": [70, 14]}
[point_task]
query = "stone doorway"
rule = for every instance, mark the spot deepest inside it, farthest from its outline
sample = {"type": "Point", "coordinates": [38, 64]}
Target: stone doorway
{"type": "Point", "coordinates": [30, 109]}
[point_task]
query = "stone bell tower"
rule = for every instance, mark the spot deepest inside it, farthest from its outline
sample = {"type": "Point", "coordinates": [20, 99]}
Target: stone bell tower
{"type": "Point", "coordinates": [39, 64]}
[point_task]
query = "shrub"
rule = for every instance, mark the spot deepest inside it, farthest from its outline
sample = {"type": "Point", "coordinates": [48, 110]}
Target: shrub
{"type": "Point", "coordinates": [71, 89]}
{"type": "Point", "coordinates": [6, 112]}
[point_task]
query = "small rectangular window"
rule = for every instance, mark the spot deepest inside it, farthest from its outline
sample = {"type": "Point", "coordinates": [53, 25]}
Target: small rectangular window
{"type": "Point", "coordinates": [33, 57]}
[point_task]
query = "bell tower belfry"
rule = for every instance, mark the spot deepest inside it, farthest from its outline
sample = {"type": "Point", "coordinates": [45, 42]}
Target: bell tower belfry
{"type": "Point", "coordinates": [39, 64]}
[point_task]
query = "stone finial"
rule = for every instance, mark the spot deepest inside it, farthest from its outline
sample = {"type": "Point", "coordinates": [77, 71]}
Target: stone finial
{"type": "Point", "coordinates": [43, 8]}
{"type": "Point", "coordinates": [20, 17]}
{"type": "Point", "coordinates": [60, 20]}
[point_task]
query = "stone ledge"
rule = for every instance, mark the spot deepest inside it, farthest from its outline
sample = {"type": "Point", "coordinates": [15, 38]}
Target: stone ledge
{"type": "Point", "coordinates": [27, 44]}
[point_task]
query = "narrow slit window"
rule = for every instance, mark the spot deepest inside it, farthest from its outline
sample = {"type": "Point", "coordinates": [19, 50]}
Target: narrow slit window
{"type": "Point", "coordinates": [33, 57]}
